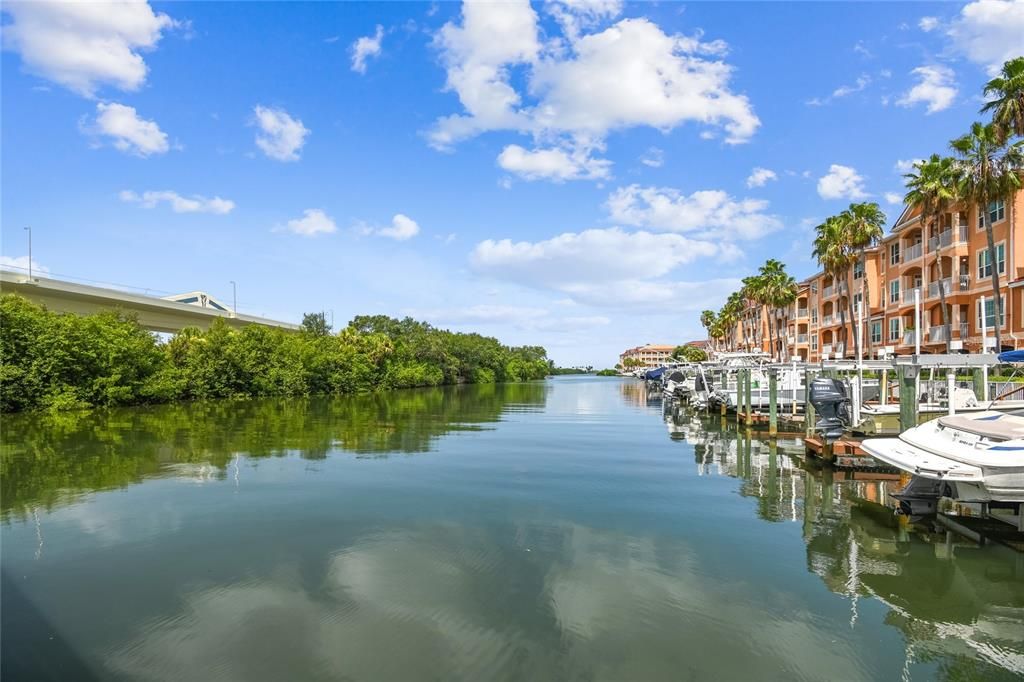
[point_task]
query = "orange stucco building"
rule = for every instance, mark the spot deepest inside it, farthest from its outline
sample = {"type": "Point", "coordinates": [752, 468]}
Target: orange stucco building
{"type": "Point", "coordinates": [912, 260]}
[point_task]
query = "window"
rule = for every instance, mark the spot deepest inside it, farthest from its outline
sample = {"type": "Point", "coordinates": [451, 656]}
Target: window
{"type": "Point", "coordinates": [894, 291]}
{"type": "Point", "coordinates": [894, 253]}
{"type": "Point", "coordinates": [876, 332]}
{"type": "Point", "coordinates": [858, 270]}
{"type": "Point", "coordinates": [858, 300]}
{"type": "Point", "coordinates": [985, 263]}
{"type": "Point", "coordinates": [996, 212]}
{"type": "Point", "coordinates": [990, 313]}
{"type": "Point", "coordinates": [894, 329]}
{"type": "Point", "coordinates": [814, 342]}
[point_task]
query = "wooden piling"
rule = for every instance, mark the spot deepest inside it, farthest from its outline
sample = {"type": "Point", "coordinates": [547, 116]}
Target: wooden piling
{"type": "Point", "coordinates": [750, 410]}
{"type": "Point", "coordinates": [908, 397]}
{"type": "Point", "coordinates": [809, 415]}
{"type": "Point", "coordinates": [773, 403]}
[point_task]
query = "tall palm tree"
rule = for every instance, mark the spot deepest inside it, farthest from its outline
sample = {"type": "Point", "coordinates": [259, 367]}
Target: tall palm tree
{"type": "Point", "coordinates": [864, 222]}
{"type": "Point", "coordinates": [931, 188]}
{"type": "Point", "coordinates": [988, 170]}
{"type": "Point", "coordinates": [771, 283]}
{"type": "Point", "coordinates": [832, 248]}
{"type": "Point", "coordinates": [756, 288]}
{"type": "Point", "coordinates": [1007, 103]}
{"type": "Point", "coordinates": [784, 291]}
{"type": "Point", "coordinates": [707, 320]}
{"type": "Point", "coordinates": [730, 315]}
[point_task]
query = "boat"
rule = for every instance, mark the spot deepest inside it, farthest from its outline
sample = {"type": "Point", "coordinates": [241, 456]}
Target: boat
{"type": "Point", "coordinates": [973, 457]}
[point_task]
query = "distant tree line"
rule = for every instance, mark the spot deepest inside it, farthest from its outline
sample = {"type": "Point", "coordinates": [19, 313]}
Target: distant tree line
{"type": "Point", "coordinates": [65, 361]}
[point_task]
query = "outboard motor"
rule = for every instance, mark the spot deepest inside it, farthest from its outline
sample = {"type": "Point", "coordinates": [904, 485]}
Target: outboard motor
{"type": "Point", "coordinates": [700, 384]}
{"type": "Point", "coordinates": [829, 399]}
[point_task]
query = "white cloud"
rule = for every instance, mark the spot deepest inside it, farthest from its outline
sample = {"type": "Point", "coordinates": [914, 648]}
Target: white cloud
{"type": "Point", "coordinates": [893, 198]}
{"type": "Point", "coordinates": [575, 15]}
{"type": "Point", "coordinates": [366, 47]}
{"type": "Point", "coordinates": [178, 203]}
{"type": "Point", "coordinates": [862, 82]}
{"type": "Point", "coordinates": [905, 165]}
{"type": "Point", "coordinates": [554, 164]}
{"type": "Point", "coordinates": [760, 176]}
{"type": "Point", "coordinates": [841, 182]}
{"type": "Point", "coordinates": [654, 157]}
{"type": "Point", "coordinates": [313, 222]}
{"type": "Point", "coordinates": [629, 74]}
{"type": "Point", "coordinates": [83, 45]}
{"type": "Point", "coordinates": [988, 32]}
{"type": "Point", "coordinates": [862, 49]}
{"type": "Point", "coordinates": [128, 132]}
{"type": "Point", "coordinates": [402, 227]}
{"type": "Point", "coordinates": [928, 24]}
{"type": "Point", "coordinates": [706, 213]}
{"type": "Point", "coordinates": [20, 263]}
{"type": "Point", "coordinates": [281, 137]}
{"type": "Point", "coordinates": [937, 88]}
{"type": "Point", "coordinates": [590, 256]}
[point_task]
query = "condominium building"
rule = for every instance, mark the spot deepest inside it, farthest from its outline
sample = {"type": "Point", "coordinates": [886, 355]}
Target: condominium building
{"type": "Point", "coordinates": [651, 355]}
{"type": "Point", "coordinates": [900, 275]}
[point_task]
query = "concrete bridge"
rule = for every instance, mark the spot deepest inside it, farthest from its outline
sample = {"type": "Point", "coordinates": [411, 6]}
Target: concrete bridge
{"type": "Point", "coordinates": [153, 313]}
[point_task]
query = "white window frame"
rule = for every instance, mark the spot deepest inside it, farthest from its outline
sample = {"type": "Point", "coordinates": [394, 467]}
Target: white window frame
{"type": "Point", "coordinates": [1000, 261]}
{"type": "Point", "coordinates": [978, 313]}
{"type": "Point", "coordinates": [894, 253]}
{"type": "Point", "coordinates": [876, 324]}
{"type": "Point", "coordinates": [858, 269]}
{"type": "Point", "coordinates": [899, 328]}
{"type": "Point", "coordinates": [894, 296]}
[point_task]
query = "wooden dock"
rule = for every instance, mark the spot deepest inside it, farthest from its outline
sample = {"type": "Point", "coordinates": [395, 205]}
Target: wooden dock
{"type": "Point", "coordinates": [845, 453]}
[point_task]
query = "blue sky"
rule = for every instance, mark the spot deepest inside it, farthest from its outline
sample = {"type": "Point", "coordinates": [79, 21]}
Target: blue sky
{"type": "Point", "coordinates": [582, 175]}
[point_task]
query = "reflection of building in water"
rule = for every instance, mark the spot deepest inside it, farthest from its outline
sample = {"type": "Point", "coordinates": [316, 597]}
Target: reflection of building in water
{"type": "Point", "coordinates": [955, 602]}
{"type": "Point", "coordinates": [641, 394]}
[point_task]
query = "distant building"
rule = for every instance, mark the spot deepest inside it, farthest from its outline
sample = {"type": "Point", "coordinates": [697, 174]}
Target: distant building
{"type": "Point", "coordinates": [702, 344]}
{"type": "Point", "coordinates": [651, 355]}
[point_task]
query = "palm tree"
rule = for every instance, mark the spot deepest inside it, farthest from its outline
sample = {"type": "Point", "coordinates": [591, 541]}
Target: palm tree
{"type": "Point", "coordinates": [783, 290]}
{"type": "Point", "coordinates": [729, 315]}
{"type": "Point", "coordinates": [988, 170]}
{"type": "Point", "coordinates": [864, 223]}
{"type": "Point", "coordinates": [1007, 105]}
{"type": "Point", "coordinates": [707, 320]}
{"type": "Point", "coordinates": [931, 188]}
{"type": "Point", "coordinates": [832, 248]}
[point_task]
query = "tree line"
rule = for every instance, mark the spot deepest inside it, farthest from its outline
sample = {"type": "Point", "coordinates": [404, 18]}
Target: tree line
{"type": "Point", "coordinates": [986, 165]}
{"type": "Point", "coordinates": [66, 361]}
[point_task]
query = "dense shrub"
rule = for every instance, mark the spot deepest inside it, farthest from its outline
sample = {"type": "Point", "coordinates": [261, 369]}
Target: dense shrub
{"type": "Point", "coordinates": [48, 360]}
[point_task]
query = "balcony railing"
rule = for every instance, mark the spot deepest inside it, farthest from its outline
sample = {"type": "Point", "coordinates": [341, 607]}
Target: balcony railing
{"type": "Point", "coordinates": [941, 240]}
{"type": "Point", "coordinates": [801, 312]}
{"type": "Point", "coordinates": [965, 282]}
{"type": "Point", "coordinates": [826, 320]}
{"type": "Point", "coordinates": [937, 334]}
{"type": "Point", "coordinates": [801, 338]}
{"type": "Point", "coordinates": [965, 330]}
{"type": "Point", "coordinates": [826, 349]}
{"type": "Point", "coordinates": [933, 287]}
{"type": "Point", "coordinates": [961, 233]}
{"type": "Point", "coordinates": [908, 294]}
{"type": "Point", "coordinates": [828, 292]}
{"type": "Point", "coordinates": [910, 337]}
{"type": "Point", "coordinates": [840, 349]}
{"type": "Point", "coordinates": [912, 252]}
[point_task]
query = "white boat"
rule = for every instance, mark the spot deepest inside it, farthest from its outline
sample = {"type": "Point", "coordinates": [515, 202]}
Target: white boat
{"type": "Point", "coordinates": [979, 456]}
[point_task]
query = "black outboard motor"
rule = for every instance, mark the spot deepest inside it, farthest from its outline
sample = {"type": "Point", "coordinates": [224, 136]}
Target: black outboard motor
{"type": "Point", "coordinates": [699, 383]}
{"type": "Point", "coordinates": [829, 399]}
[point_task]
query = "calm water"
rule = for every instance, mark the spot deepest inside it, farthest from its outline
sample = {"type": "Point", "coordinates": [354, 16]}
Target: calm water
{"type": "Point", "coordinates": [573, 529]}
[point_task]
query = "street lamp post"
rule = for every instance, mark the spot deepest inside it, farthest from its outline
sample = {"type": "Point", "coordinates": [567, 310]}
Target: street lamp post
{"type": "Point", "coordinates": [29, 230]}
{"type": "Point", "coordinates": [234, 298]}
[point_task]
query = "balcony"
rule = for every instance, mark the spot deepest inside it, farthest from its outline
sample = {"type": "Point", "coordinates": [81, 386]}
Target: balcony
{"type": "Point", "coordinates": [933, 288]}
{"type": "Point", "coordinates": [826, 320]}
{"type": "Point", "coordinates": [826, 349]}
{"type": "Point", "coordinates": [801, 313]}
{"type": "Point", "coordinates": [941, 240]}
{"type": "Point", "coordinates": [965, 282]}
{"type": "Point", "coordinates": [910, 337]}
{"type": "Point", "coordinates": [840, 349]}
{"type": "Point", "coordinates": [965, 330]}
{"type": "Point", "coordinates": [908, 294]}
{"type": "Point", "coordinates": [912, 253]}
{"type": "Point", "coordinates": [961, 234]}
{"type": "Point", "coordinates": [828, 292]}
{"type": "Point", "coordinates": [801, 338]}
{"type": "Point", "coordinates": [937, 334]}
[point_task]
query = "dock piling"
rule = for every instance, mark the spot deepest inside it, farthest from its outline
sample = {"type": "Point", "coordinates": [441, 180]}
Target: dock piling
{"type": "Point", "coordinates": [773, 402]}
{"type": "Point", "coordinates": [809, 416]}
{"type": "Point", "coordinates": [908, 396]}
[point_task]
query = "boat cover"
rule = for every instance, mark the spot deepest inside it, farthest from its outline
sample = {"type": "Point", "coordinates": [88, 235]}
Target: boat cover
{"type": "Point", "coordinates": [1012, 356]}
{"type": "Point", "coordinates": [994, 425]}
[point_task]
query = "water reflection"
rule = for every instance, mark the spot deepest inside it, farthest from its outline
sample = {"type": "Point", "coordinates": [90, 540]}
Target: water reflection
{"type": "Point", "coordinates": [957, 604]}
{"type": "Point", "coordinates": [47, 459]}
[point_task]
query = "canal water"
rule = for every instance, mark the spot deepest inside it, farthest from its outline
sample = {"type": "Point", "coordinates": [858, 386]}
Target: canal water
{"type": "Point", "coordinates": [574, 529]}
